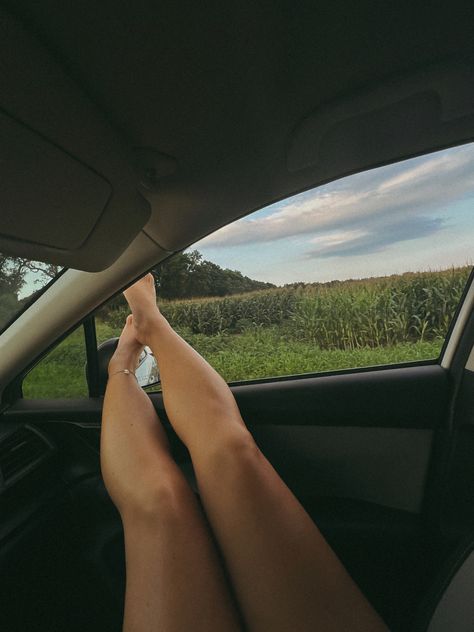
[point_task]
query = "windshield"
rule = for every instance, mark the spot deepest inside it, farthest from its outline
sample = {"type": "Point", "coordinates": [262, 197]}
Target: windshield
{"type": "Point", "coordinates": [21, 282]}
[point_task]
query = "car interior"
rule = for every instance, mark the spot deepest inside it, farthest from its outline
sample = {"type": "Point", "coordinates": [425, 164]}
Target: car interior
{"type": "Point", "coordinates": [129, 132]}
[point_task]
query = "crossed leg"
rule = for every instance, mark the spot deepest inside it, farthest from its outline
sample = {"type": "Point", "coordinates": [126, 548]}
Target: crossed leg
{"type": "Point", "coordinates": [284, 574]}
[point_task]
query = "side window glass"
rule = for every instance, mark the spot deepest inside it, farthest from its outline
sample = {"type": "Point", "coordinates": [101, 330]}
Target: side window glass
{"type": "Point", "coordinates": [61, 373]}
{"type": "Point", "coordinates": [368, 270]}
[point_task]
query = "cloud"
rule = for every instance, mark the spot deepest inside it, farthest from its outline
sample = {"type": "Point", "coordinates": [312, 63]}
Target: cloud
{"type": "Point", "coordinates": [330, 240]}
{"type": "Point", "coordinates": [363, 243]}
{"type": "Point", "coordinates": [365, 212]}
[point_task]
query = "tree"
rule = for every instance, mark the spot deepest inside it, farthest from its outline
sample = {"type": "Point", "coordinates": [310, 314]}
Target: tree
{"type": "Point", "coordinates": [173, 276]}
{"type": "Point", "coordinates": [188, 275]}
{"type": "Point", "coordinates": [14, 273]}
{"type": "Point", "coordinates": [12, 276]}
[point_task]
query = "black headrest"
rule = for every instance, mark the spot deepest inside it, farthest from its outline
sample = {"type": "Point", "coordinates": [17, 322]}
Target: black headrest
{"type": "Point", "coordinates": [105, 351]}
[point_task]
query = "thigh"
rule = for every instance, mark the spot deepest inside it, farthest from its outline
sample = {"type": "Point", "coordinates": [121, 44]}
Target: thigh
{"type": "Point", "coordinates": [285, 575]}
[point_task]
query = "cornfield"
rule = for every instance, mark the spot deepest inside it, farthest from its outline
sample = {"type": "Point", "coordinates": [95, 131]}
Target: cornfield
{"type": "Point", "coordinates": [347, 315]}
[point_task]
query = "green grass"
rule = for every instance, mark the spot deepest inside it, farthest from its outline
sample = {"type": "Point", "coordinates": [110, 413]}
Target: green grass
{"type": "Point", "coordinates": [254, 354]}
{"type": "Point", "coordinates": [266, 353]}
{"type": "Point", "coordinates": [61, 373]}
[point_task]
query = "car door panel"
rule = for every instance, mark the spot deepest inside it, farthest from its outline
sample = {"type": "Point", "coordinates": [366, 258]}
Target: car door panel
{"type": "Point", "coordinates": [326, 434]}
{"type": "Point", "coordinates": [354, 448]}
{"type": "Point", "coordinates": [385, 466]}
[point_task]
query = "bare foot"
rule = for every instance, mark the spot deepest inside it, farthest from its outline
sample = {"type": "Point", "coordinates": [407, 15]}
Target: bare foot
{"type": "Point", "coordinates": [141, 297]}
{"type": "Point", "coordinates": [128, 350]}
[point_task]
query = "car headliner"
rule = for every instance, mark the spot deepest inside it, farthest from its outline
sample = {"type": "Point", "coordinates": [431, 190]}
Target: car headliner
{"type": "Point", "coordinates": [217, 94]}
{"type": "Point", "coordinates": [220, 88]}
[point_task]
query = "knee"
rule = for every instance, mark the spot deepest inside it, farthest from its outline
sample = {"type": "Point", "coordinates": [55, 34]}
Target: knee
{"type": "Point", "coordinates": [158, 500]}
{"type": "Point", "coordinates": [235, 455]}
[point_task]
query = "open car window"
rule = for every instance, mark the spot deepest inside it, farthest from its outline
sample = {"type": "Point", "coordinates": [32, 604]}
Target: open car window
{"type": "Point", "coordinates": [21, 282]}
{"type": "Point", "coordinates": [367, 270]}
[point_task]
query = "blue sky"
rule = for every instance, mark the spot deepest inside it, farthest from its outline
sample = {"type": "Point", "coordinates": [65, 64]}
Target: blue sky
{"type": "Point", "coordinates": [410, 216]}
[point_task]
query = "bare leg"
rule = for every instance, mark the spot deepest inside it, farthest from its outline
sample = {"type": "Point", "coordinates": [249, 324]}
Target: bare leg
{"type": "Point", "coordinates": [174, 579]}
{"type": "Point", "coordinates": [285, 575]}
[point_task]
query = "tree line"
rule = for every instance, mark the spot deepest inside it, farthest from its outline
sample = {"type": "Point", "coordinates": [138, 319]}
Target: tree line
{"type": "Point", "coordinates": [184, 275]}
{"type": "Point", "coordinates": [188, 275]}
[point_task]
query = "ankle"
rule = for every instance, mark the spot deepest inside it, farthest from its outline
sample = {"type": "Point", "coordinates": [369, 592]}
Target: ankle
{"type": "Point", "coordinates": [123, 359]}
{"type": "Point", "coordinates": [147, 325]}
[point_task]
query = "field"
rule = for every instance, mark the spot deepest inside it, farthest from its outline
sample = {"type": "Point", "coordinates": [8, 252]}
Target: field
{"type": "Point", "coordinates": [290, 330]}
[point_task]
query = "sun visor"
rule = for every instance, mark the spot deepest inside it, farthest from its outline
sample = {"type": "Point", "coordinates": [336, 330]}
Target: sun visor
{"type": "Point", "coordinates": [46, 196]}
{"type": "Point", "coordinates": [398, 118]}
{"type": "Point", "coordinates": [68, 192]}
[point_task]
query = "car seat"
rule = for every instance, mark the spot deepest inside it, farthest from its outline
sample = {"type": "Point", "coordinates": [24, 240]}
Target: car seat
{"type": "Point", "coordinates": [449, 605]}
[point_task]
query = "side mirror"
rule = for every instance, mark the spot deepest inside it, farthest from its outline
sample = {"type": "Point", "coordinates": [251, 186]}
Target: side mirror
{"type": "Point", "coordinates": [147, 372]}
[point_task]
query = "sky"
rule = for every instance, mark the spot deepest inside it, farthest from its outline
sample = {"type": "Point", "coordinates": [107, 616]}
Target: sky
{"type": "Point", "coordinates": [410, 216]}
